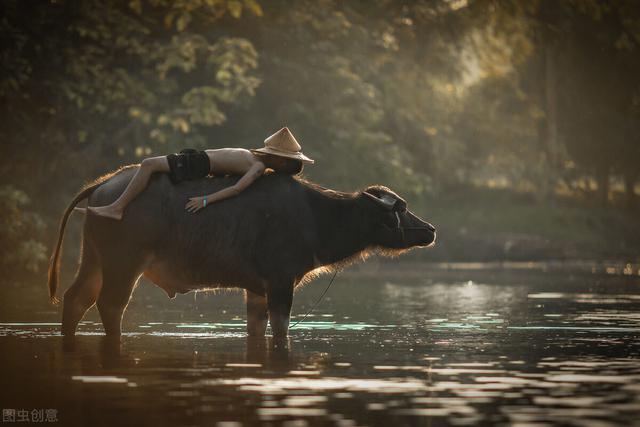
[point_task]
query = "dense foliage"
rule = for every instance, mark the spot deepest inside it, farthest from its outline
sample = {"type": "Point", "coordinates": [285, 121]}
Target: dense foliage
{"type": "Point", "coordinates": [425, 96]}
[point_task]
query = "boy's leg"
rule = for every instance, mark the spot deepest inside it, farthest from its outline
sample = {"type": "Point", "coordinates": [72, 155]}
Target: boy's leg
{"type": "Point", "coordinates": [137, 184]}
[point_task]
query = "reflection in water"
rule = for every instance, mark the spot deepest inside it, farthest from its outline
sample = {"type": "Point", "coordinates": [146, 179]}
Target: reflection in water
{"type": "Point", "coordinates": [417, 352]}
{"type": "Point", "coordinates": [99, 379]}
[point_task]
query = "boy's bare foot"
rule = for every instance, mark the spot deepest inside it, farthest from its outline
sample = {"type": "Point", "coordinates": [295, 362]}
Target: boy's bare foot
{"type": "Point", "coordinates": [106, 211]}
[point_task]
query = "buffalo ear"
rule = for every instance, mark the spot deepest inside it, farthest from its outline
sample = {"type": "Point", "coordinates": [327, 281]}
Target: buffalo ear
{"type": "Point", "coordinates": [386, 201]}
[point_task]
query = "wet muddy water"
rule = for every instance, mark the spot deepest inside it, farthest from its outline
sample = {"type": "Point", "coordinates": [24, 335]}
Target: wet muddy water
{"type": "Point", "coordinates": [429, 349]}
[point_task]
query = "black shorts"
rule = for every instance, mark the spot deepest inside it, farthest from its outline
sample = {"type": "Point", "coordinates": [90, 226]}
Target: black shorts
{"type": "Point", "coordinates": [188, 164]}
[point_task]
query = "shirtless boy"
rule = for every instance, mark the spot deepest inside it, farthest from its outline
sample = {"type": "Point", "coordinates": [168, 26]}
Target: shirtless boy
{"type": "Point", "coordinates": [281, 153]}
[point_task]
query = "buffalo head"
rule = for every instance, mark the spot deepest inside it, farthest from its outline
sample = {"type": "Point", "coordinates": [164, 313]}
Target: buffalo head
{"type": "Point", "coordinates": [394, 226]}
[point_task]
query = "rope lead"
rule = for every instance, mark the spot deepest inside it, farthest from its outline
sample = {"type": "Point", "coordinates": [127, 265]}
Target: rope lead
{"type": "Point", "coordinates": [317, 302]}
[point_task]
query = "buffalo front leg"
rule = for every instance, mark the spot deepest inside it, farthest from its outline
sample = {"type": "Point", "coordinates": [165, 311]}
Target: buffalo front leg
{"type": "Point", "coordinates": [279, 300]}
{"type": "Point", "coordinates": [257, 315]}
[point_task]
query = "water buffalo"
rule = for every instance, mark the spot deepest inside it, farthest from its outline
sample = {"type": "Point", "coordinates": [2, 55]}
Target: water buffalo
{"type": "Point", "coordinates": [278, 233]}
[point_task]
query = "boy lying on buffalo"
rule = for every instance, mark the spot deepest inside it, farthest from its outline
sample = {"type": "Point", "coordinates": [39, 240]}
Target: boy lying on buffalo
{"type": "Point", "coordinates": [280, 153]}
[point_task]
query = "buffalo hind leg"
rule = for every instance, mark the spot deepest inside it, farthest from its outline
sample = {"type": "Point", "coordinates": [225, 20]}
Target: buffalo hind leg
{"type": "Point", "coordinates": [117, 286]}
{"type": "Point", "coordinates": [82, 294]}
{"type": "Point", "coordinates": [279, 300]}
{"type": "Point", "coordinates": [257, 315]}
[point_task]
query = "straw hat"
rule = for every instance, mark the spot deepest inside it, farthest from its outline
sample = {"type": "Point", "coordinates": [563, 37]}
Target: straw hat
{"type": "Point", "coordinates": [283, 144]}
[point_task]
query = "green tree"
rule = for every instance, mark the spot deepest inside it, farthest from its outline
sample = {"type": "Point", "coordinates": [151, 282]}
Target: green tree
{"type": "Point", "coordinates": [21, 247]}
{"type": "Point", "coordinates": [112, 81]}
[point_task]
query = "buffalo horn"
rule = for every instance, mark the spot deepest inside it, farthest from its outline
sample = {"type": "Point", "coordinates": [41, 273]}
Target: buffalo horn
{"type": "Point", "coordinates": [386, 201]}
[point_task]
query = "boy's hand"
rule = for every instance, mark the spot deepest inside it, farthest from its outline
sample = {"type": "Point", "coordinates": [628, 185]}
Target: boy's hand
{"type": "Point", "coordinates": [195, 204]}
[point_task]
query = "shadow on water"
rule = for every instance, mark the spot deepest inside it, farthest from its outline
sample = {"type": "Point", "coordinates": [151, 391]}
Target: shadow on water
{"type": "Point", "coordinates": [477, 349]}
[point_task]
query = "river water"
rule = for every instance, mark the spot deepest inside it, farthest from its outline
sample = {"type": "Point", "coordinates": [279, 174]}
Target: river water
{"type": "Point", "coordinates": [427, 348]}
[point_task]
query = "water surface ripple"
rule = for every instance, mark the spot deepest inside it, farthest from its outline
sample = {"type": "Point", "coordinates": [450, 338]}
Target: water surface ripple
{"type": "Point", "coordinates": [539, 350]}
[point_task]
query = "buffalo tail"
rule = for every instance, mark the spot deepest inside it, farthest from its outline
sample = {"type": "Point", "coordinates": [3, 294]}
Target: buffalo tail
{"type": "Point", "coordinates": [54, 264]}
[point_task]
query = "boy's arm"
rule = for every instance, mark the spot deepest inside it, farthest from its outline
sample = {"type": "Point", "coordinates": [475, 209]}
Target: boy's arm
{"type": "Point", "coordinates": [197, 203]}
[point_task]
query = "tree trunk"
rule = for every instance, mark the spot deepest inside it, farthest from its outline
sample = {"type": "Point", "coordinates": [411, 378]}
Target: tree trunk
{"type": "Point", "coordinates": [629, 189]}
{"type": "Point", "coordinates": [602, 176]}
{"type": "Point", "coordinates": [548, 129]}
{"type": "Point", "coordinates": [551, 108]}
{"type": "Point", "coordinates": [547, 42]}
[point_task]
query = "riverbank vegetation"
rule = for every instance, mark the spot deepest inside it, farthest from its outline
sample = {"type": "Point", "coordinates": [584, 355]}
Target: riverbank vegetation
{"type": "Point", "coordinates": [512, 125]}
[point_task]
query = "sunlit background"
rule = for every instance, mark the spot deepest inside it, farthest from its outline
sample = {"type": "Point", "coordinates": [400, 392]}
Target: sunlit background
{"type": "Point", "coordinates": [512, 125]}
